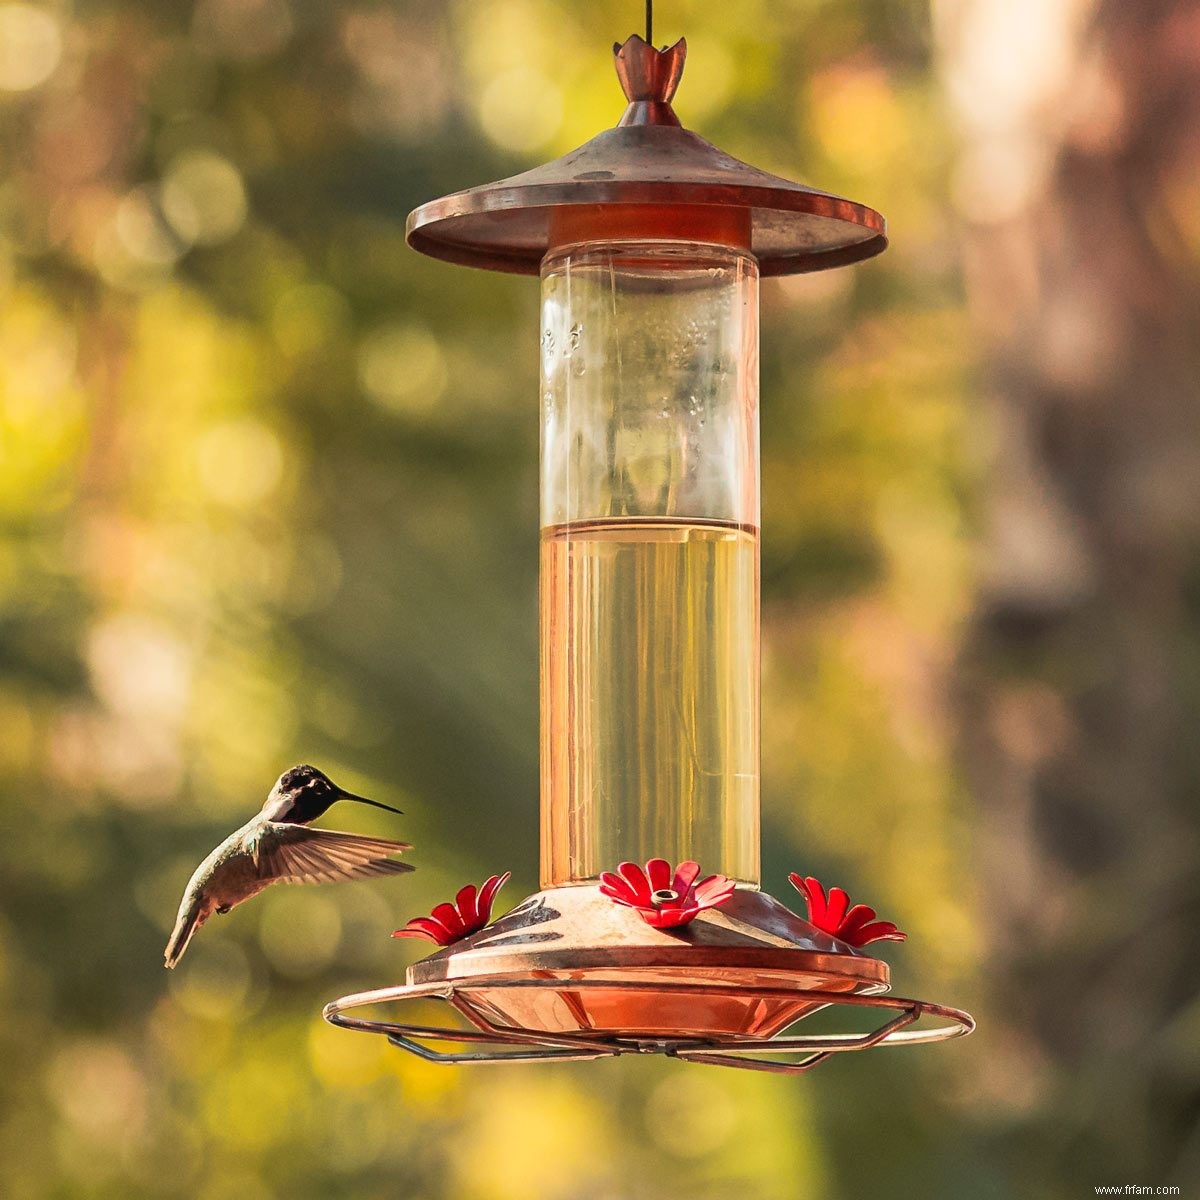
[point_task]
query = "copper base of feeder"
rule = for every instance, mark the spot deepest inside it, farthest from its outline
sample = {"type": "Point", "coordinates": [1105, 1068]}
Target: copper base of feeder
{"type": "Point", "coordinates": [572, 933]}
{"type": "Point", "coordinates": [568, 974]}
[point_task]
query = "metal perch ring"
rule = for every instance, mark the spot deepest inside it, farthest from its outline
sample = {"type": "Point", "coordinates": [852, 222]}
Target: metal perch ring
{"type": "Point", "coordinates": [520, 1046]}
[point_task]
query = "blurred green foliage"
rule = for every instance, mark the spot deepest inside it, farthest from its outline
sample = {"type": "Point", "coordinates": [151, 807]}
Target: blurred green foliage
{"type": "Point", "coordinates": [268, 493]}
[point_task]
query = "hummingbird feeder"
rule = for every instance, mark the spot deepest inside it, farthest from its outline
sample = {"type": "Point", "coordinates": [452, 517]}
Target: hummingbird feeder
{"type": "Point", "coordinates": [650, 243]}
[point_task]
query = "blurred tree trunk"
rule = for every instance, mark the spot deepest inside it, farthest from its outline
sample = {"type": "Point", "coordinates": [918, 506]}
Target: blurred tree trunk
{"type": "Point", "coordinates": [1083, 667]}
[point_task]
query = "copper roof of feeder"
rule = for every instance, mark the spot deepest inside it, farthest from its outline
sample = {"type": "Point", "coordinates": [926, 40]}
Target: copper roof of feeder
{"type": "Point", "coordinates": [649, 159]}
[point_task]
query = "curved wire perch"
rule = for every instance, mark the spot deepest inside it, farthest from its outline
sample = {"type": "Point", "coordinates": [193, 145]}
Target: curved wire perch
{"type": "Point", "coordinates": [504, 1044]}
{"type": "Point", "coordinates": [511, 1056]}
{"type": "Point", "coordinates": [830, 1042]}
{"type": "Point", "coordinates": [538, 1046]}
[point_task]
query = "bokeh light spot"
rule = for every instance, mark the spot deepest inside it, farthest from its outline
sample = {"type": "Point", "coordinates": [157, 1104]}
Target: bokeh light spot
{"type": "Point", "coordinates": [240, 462]}
{"type": "Point", "coordinates": [857, 118]}
{"type": "Point", "coordinates": [98, 1088]}
{"type": "Point", "coordinates": [30, 46]}
{"type": "Point", "coordinates": [521, 110]}
{"type": "Point", "coordinates": [203, 197]}
{"type": "Point", "coordinates": [401, 367]}
{"type": "Point", "coordinates": [996, 180]}
{"type": "Point", "coordinates": [37, 361]}
{"type": "Point", "coordinates": [139, 667]}
{"type": "Point", "coordinates": [142, 233]}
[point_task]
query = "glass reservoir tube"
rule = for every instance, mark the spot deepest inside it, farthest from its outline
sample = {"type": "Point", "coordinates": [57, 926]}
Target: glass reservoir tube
{"type": "Point", "coordinates": [650, 558]}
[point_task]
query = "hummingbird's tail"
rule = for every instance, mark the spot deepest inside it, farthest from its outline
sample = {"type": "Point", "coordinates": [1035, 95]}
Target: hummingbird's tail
{"type": "Point", "coordinates": [188, 921]}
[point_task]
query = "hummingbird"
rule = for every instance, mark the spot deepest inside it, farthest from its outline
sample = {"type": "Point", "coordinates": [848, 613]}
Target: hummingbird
{"type": "Point", "coordinates": [277, 845]}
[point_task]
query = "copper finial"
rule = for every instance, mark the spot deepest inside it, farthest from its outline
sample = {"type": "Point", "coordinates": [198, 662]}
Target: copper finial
{"type": "Point", "coordinates": [649, 78]}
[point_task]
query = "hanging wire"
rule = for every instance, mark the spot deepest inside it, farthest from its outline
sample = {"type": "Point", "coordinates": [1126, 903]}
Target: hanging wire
{"type": "Point", "coordinates": [650, 22]}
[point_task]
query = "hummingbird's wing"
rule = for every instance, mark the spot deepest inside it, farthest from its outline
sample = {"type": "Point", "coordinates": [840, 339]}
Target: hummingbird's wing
{"type": "Point", "coordinates": [298, 854]}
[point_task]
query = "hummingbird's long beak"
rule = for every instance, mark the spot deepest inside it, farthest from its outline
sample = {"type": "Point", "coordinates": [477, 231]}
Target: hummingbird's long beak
{"type": "Point", "coordinates": [344, 795]}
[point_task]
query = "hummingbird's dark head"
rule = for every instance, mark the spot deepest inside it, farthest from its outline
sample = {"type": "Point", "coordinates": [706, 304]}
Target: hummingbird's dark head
{"type": "Point", "coordinates": [305, 793]}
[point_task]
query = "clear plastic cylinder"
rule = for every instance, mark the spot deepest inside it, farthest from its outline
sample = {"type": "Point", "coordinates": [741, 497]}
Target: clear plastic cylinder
{"type": "Point", "coordinates": [650, 558]}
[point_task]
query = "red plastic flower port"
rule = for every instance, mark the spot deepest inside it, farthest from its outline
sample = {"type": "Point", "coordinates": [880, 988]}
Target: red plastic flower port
{"type": "Point", "coordinates": [449, 923]}
{"type": "Point", "coordinates": [661, 899]}
{"type": "Point", "coordinates": [856, 927]}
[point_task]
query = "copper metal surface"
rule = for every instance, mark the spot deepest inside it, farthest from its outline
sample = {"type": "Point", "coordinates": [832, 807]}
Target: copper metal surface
{"type": "Point", "coordinates": [573, 933]}
{"type": "Point", "coordinates": [664, 177]}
